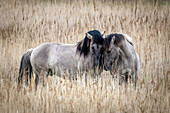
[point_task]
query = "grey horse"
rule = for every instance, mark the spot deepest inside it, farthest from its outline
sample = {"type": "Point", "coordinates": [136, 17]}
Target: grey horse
{"type": "Point", "coordinates": [120, 57]}
{"type": "Point", "coordinates": [68, 58]}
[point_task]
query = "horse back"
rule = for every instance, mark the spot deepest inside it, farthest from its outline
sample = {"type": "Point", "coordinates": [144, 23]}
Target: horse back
{"type": "Point", "coordinates": [40, 54]}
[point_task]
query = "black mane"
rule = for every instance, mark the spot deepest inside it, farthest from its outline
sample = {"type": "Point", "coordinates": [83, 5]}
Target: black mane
{"type": "Point", "coordinates": [83, 47]}
{"type": "Point", "coordinates": [118, 39]}
{"type": "Point", "coordinates": [130, 42]}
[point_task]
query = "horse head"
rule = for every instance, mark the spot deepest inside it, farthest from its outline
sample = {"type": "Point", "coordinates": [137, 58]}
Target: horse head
{"type": "Point", "coordinates": [92, 45]}
{"type": "Point", "coordinates": [112, 50]}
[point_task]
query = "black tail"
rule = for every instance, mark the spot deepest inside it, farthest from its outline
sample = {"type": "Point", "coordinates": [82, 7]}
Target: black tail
{"type": "Point", "coordinates": [25, 67]}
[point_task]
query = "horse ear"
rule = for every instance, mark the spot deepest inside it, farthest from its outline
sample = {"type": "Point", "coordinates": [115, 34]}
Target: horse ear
{"type": "Point", "coordinates": [89, 36]}
{"type": "Point", "coordinates": [113, 40]}
{"type": "Point", "coordinates": [103, 33]}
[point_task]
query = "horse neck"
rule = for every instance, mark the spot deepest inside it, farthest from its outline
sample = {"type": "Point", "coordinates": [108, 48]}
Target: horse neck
{"type": "Point", "coordinates": [126, 55]}
{"type": "Point", "coordinates": [125, 47]}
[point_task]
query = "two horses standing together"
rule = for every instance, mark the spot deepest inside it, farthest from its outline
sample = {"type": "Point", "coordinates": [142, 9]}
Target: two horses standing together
{"type": "Point", "coordinates": [114, 53]}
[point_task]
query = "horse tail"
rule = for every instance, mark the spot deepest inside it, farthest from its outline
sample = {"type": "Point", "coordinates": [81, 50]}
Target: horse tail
{"type": "Point", "coordinates": [128, 38]}
{"type": "Point", "coordinates": [25, 67]}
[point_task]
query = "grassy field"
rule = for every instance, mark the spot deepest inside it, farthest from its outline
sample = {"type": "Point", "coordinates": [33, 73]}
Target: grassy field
{"type": "Point", "coordinates": [27, 24]}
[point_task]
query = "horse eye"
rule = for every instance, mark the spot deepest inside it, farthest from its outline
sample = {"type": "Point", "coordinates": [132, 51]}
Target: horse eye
{"type": "Point", "coordinates": [93, 47]}
{"type": "Point", "coordinates": [108, 51]}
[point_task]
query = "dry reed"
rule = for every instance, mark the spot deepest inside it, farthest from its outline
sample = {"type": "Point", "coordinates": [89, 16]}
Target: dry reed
{"type": "Point", "coordinates": [26, 24]}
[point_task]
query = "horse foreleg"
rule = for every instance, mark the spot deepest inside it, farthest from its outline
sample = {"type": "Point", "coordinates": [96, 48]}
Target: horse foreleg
{"type": "Point", "coordinates": [134, 79]}
{"type": "Point", "coordinates": [126, 78]}
{"type": "Point", "coordinates": [121, 79]}
{"type": "Point", "coordinates": [86, 78]}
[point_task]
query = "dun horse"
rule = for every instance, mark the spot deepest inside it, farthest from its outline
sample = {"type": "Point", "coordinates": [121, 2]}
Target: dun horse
{"type": "Point", "coordinates": [68, 58]}
{"type": "Point", "coordinates": [120, 56]}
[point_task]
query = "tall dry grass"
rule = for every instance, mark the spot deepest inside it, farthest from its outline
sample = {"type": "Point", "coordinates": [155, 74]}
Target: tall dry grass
{"type": "Point", "coordinates": [26, 24]}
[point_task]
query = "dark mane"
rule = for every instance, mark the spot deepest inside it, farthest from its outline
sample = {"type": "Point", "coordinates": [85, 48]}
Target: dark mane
{"type": "Point", "coordinates": [130, 42]}
{"type": "Point", "coordinates": [118, 39]}
{"type": "Point", "coordinates": [83, 47]}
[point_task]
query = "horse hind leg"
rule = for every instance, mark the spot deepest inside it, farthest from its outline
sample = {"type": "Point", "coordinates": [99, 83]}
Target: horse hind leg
{"type": "Point", "coordinates": [27, 76]}
{"type": "Point", "coordinates": [44, 74]}
{"type": "Point", "coordinates": [30, 73]}
{"type": "Point", "coordinates": [36, 81]}
{"type": "Point", "coordinates": [44, 77]}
